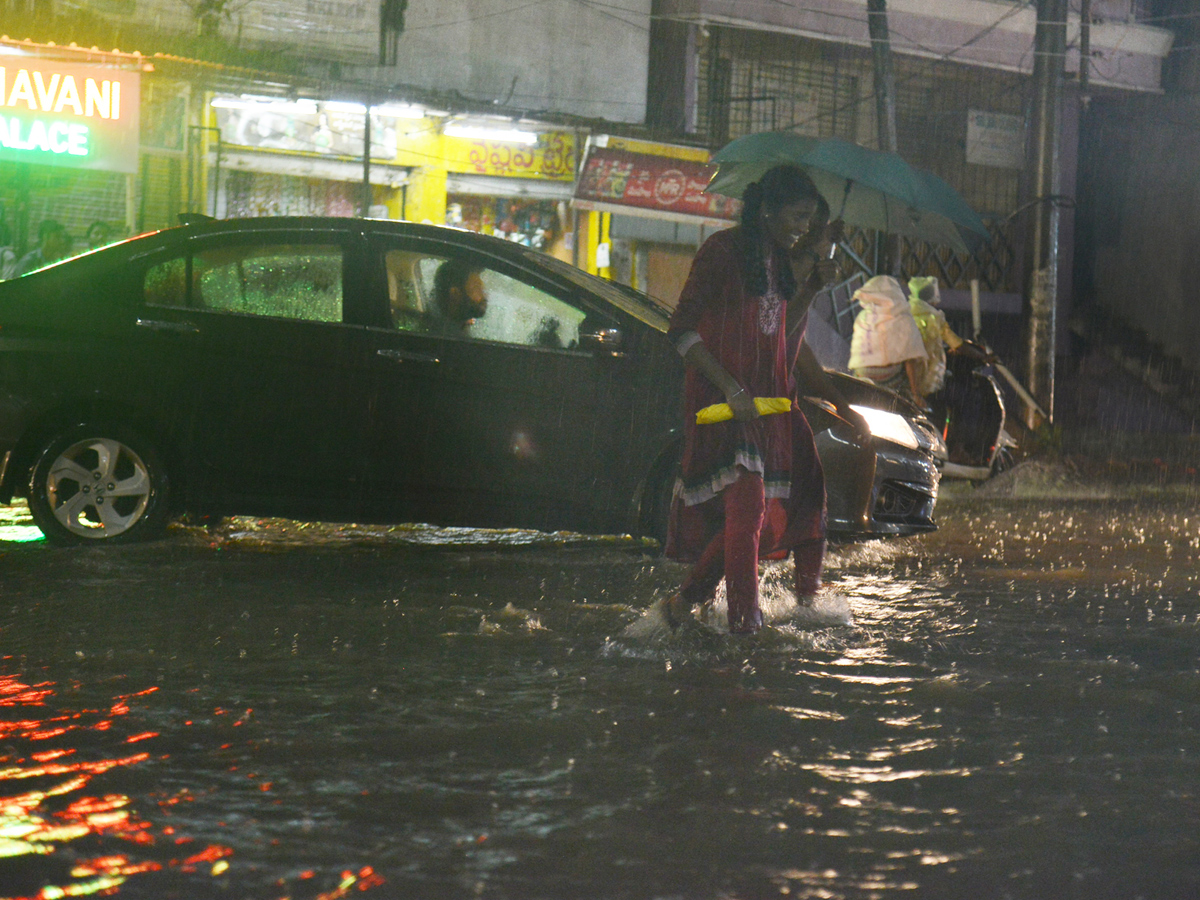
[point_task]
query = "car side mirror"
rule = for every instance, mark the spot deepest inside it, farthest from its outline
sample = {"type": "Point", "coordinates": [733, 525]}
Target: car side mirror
{"type": "Point", "coordinates": [603, 341]}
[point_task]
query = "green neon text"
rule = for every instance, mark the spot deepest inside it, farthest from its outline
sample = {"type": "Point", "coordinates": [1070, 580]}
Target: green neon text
{"type": "Point", "coordinates": [59, 138]}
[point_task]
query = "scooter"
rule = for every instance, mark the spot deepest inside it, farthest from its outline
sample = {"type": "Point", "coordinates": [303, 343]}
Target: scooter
{"type": "Point", "coordinates": [971, 412]}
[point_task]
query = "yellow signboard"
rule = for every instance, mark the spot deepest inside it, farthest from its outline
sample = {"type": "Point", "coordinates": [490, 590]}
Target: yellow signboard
{"type": "Point", "coordinates": [652, 148]}
{"type": "Point", "coordinates": [552, 157]}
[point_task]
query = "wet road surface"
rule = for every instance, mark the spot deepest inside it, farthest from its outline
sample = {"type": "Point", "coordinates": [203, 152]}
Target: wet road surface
{"type": "Point", "coordinates": [1011, 708]}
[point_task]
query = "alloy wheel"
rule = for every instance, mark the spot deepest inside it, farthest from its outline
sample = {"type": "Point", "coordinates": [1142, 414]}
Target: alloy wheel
{"type": "Point", "coordinates": [98, 488]}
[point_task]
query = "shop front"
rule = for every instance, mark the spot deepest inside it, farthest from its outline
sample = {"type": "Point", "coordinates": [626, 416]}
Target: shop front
{"type": "Point", "coordinates": [277, 156]}
{"type": "Point", "coordinates": [91, 138]}
{"type": "Point", "coordinates": [69, 143]}
{"type": "Point", "coordinates": [511, 182]}
{"type": "Point", "coordinates": [271, 156]}
{"type": "Point", "coordinates": [522, 210]}
{"type": "Point", "coordinates": [645, 212]}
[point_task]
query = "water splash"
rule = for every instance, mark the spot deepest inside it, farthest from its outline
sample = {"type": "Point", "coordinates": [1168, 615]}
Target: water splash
{"type": "Point", "coordinates": [512, 620]}
{"type": "Point", "coordinates": [777, 601]}
{"type": "Point", "coordinates": [869, 553]}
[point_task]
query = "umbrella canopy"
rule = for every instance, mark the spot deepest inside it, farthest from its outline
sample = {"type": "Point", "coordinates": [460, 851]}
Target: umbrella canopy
{"type": "Point", "coordinates": [863, 187]}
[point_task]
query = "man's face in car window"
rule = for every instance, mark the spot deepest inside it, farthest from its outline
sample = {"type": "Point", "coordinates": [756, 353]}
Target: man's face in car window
{"type": "Point", "coordinates": [475, 300]}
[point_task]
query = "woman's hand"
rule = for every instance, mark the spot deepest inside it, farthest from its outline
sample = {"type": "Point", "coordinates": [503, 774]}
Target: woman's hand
{"type": "Point", "coordinates": [739, 399]}
{"type": "Point", "coordinates": [827, 270]}
{"type": "Point", "coordinates": [812, 257]}
{"type": "Point", "coordinates": [835, 232]}
{"type": "Point", "coordinates": [742, 404]}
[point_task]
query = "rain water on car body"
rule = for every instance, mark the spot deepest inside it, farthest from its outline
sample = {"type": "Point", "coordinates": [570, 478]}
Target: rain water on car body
{"type": "Point", "coordinates": [1011, 710]}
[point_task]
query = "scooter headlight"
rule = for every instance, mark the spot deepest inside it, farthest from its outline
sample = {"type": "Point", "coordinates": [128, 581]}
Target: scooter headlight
{"type": "Point", "coordinates": [888, 426]}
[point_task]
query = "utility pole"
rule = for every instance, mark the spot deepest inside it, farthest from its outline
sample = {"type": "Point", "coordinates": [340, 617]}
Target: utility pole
{"type": "Point", "coordinates": [885, 73]}
{"type": "Point", "coordinates": [1085, 51]}
{"type": "Point", "coordinates": [366, 182]}
{"type": "Point", "coordinates": [1050, 47]}
{"type": "Point", "coordinates": [885, 106]}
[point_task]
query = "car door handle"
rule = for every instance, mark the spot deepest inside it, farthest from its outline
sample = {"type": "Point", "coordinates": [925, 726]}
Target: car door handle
{"type": "Point", "coordinates": [407, 356]}
{"type": "Point", "coordinates": [173, 327]}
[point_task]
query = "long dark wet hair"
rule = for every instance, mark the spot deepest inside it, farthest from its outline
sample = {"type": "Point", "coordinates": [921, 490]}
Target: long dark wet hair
{"type": "Point", "coordinates": [779, 187]}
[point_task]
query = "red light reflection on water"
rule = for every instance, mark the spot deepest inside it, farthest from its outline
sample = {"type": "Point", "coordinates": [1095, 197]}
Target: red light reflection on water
{"type": "Point", "coordinates": [27, 824]}
{"type": "Point", "coordinates": [36, 823]}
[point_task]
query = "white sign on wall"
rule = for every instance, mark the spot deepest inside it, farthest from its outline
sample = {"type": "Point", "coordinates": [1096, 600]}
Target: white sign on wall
{"type": "Point", "coordinates": [995, 139]}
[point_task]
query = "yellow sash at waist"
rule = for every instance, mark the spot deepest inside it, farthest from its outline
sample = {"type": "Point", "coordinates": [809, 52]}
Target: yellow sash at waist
{"type": "Point", "coordinates": [720, 412]}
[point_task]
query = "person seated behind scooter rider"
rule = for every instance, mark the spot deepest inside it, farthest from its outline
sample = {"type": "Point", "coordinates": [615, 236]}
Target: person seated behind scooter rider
{"type": "Point", "coordinates": [924, 299]}
{"type": "Point", "coordinates": [886, 344]}
{"type": "Point", "coordinates": [458, 296]}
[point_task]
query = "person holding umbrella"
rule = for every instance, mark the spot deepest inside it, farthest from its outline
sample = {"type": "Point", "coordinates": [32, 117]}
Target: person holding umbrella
{"type": "Point", "coordinates": [752, 486]}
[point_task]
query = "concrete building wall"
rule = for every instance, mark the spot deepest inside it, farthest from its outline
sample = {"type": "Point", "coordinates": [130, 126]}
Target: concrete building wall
{"type": "Point", "coordinates": [986, 33]}
{"type": "Point", "coordinates": [1141, 200]}
{"type": "Point", "coordinates": [540, 55]}
{"type": "Point", "coordinates": [559, 56]}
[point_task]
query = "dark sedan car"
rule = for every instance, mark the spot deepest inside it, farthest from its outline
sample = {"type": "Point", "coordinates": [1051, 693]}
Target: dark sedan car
{"type": "Point", "coordinates": [297, 367]}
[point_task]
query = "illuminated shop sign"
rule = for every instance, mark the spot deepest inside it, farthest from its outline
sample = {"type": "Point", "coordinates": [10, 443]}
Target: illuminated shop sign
{"type": "Point", "coordinates": [614, 179]}
{"type": "Point", "coordinates": [80, 117]}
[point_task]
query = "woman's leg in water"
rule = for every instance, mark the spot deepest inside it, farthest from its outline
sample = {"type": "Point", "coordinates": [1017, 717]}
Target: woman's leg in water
{"type": "Point", "coordinates": [809, 558]}
{"type": "Point", "coordinates": [733, 553]}
{"type": "Point", "coordinates": [745, 506]}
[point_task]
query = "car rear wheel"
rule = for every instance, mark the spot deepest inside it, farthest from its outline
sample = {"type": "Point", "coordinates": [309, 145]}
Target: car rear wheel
{"type": "Point", "coordinates": [97, 483]}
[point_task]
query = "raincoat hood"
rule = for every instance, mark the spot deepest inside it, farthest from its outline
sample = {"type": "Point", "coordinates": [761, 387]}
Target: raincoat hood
{"type": "Point", "coordinates": [916, 285]}
{"type": "Point", "coordinates": [883, 292]}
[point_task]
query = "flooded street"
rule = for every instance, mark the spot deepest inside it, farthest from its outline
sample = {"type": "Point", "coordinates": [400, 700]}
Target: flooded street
{"type": "Point", "coordinates": [1010, 709]}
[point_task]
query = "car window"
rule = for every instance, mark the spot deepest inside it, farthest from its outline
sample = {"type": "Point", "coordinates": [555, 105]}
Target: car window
{"type": "Point", "coordinates": [519, 313]}
{"type": "Point", "coordinates": [290, 281]}
{"type": "Point", "coordinates": [407, 299]}
{"type": "Point", "coordinates": [516, 313]}
{"type": "Point", "coordinates": [165, 283]}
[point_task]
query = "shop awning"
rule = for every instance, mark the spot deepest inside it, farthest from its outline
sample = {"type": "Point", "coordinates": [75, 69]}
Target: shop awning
{"type": "Point", "coordinates": [658, 181]}
{"type": "Point", "coordinates": [496, 186]}
{"type": "Point", "coordinates": [310, 167]}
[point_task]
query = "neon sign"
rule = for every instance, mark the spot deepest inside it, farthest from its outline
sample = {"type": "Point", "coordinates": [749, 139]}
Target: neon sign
{"type": "Point", "coordinates": [66, 115]}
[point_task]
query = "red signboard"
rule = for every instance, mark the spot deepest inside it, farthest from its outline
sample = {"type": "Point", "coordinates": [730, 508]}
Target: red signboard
{"type": "Point", "coordinates": [652, 183]}
{"type": "Point", "coordinates": [58, 114]}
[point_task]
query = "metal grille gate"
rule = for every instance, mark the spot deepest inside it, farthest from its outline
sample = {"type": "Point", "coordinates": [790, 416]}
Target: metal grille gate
{"type": "Point", "coordinates": [754, 81]}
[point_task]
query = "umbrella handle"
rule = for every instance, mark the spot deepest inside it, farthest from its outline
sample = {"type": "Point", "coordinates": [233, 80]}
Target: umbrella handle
{"type": "Point", "coordinates": [841, 213]}
{"type": "Point", "coordinates": [845, 197]}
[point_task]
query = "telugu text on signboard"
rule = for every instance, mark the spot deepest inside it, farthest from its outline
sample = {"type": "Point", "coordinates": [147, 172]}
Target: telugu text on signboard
{"type": "Point", "coordinates": [652, 183]}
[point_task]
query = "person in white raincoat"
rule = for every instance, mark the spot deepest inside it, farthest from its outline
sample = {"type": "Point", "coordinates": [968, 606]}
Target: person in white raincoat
{"type": "Point", "coordinates": [923, 300]}
{"type": "Point", "coordinates": [886, 345]}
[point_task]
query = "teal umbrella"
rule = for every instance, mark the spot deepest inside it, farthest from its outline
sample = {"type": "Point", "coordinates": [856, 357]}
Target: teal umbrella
{"type": "Point", "coordinates": [866, 188]}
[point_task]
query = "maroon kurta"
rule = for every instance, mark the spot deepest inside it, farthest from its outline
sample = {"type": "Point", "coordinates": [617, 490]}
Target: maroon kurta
{"type": "Point", "coordinates": [749, 337]}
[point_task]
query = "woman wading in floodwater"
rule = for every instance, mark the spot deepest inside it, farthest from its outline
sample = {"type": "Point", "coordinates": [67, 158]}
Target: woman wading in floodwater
{"type": "Point", "coordinates": [752, 486]}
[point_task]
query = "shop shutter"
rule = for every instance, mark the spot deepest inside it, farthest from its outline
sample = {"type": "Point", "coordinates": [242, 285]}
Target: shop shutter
{"type": "Point", "coordinates": [75, 199]}
{"type": "Point", "coordinates": [262, 194]}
